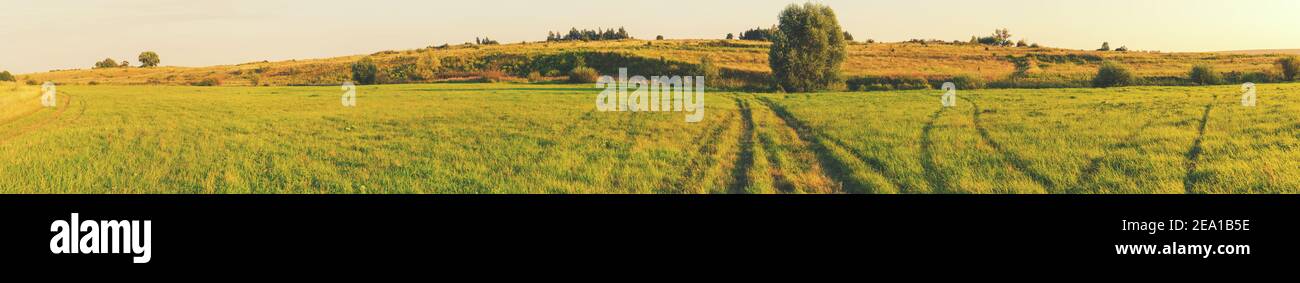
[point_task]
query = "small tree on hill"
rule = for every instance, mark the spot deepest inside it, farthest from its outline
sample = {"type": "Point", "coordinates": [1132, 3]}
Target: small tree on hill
{"type": "Point", "coordinates": [7, 77]}
{"type": "Point", "coordinates": [149, 59]}
{"type": "Point", "coordinates": [1105, 46]}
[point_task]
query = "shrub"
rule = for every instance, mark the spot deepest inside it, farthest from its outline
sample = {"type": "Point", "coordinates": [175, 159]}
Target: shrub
{"type": "Point", "coordinates": [807, 49]}
{"type": "Point", "coordinates": [1204, 75]}
{"type": "Point", "coordinates": [364, 71]}
{"type": "Point", "coordinates": [968, 82]}
{"type": "Point", "coordinates": [1105, 46]}
{"type": "Point", "coordinates": [32, 82]}
{"type": "Point", "coordinates": [659, 37]}
{"type": "Point", "coordinates": [207, 82]}
{"type": "Point", "coordinates": [7, 77]}
{"type": "Point", "coordinates": [1289, 66]}
{"type": "Point", "coordinates": [149, 59]}
{"type": "Point", "coordinates": [583, 75]}
{"type": "Point", "coordinates": [708, 69]}
{"type": "Point", "coordinates": [1112, 74]}
{"type": "Point", "coordinates": [536, 77]}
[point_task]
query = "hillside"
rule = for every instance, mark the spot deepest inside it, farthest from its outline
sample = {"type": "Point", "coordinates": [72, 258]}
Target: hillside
{"type": "Point", "coordinates": [743, 64]}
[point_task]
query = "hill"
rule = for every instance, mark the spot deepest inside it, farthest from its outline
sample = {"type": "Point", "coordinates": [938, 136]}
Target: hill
{"type": "Point", "coordinates": [743, 64]}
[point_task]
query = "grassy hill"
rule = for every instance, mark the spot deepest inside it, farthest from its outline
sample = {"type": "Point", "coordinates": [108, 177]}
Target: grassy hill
{"type": "Point", "coordinates": [743, 64]}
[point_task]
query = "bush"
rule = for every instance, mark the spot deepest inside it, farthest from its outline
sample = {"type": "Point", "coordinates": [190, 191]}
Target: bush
{"type": "Point", "coordinates": [583, 75]}
{"type": "Point", "coordinates": [207, 82]}
{"type": "Point", "coordinates": [807, 49]}
{"type": "Point", "coordinates": [364, 71]}
{"type": "Point", "coordinates": [968, 82]}
{"type": "Point", "coordinates": [1204, 75]}
{"type": "Point", "coordinates": [149, 59]}
{"type": "Point", "coordinates": [7, 77]}
{"type": "Point", "coordinates": [1112, 74]}
{"type": "Point", "coordinates": [708, 69]}
{"type": "Point", "coordinates": [536, 77]}
{"type": "Point", "coordinates": [1289, 66]}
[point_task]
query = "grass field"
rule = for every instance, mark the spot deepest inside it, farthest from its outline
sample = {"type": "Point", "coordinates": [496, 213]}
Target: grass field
{"type": "Point", "coordinates": [547, 138]}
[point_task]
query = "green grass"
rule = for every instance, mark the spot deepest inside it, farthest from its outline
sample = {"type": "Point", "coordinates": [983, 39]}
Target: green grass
{"type": "Point", "coordinates": [521, 138]}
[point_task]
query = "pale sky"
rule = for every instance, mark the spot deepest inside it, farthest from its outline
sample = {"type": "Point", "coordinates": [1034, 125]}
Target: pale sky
{"type": "Point", "coordinates": [39, 35]}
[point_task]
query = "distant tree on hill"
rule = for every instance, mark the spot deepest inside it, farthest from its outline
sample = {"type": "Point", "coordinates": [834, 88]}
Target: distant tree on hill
{"type": "Point", "coordinates": [149, 59]}
{"type": "Point", "coordinates": [1290, 66]}
{"type": "Point", "coordinates": [107, 63]}
{"type": "Point", "coordinates": [124, 64]}
{"type": "Point", "coordinates": [1123, 48]}
{"type": "Point", "coordinates": [7, 77]}
{"type": "Point", "coordinates": [848, 36]}
{"type": "Point", "coordinates": [364, 71]}
{"type": "Point", "coordinates": [659, 37]}
{"type": "Point", "coordinates": [1022, 43]}
{"type": "Point", "coordinates": [808, 48]}
{"type": "Point", "coordinates": [1000, 37]}
{"type": "Point", "coordinates": [485, 41]}
{"type": "Point", "coordinates": [1105, 46]}
{"type": "Point", "coordinates": [731, 36]}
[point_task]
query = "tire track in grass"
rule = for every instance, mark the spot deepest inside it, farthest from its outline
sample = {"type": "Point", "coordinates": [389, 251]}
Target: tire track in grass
{"type": "Point", "coordinates": [1016, 161]}
{"type": "Point", "coordinates": [39, 125]}
{"type": "Point", "coordinates": [823, 144]}
{"type": "Point", "coordinates": [707, 150]}
{"type": "Point", "coordinates": [745, 158]}
{"type": "Point", "coordinates": [1094, 164]}
{"type": "Point", "coordinates": [1194, 154]}
{"type": "Point", "coordinates": [937, 181]}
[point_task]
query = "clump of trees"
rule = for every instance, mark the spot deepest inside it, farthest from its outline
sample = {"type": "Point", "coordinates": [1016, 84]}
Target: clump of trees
{"type": "Point", "coordinates": [109, 63]}
{"type": "Point", "coordinates": [7, 77]}
{"type": "Point", "coordinates": [485, 41]}
{"type": "Point", "coordinates": [760, 34]}
{"type": "Point", "coordinates": [1105, 46]}
{"type": "Point", "coordinates": [808, 48]}
{"type": "Point", "coordinates": [1000, 37]}
{"type": "Point", "coordinates": [1204, 74]}
{"type": "Point", "coordinates": [1290, 66]}
{"type": "Point", "coordinates": [1113, 74]}
{"type": "Point", "coordinates": [589, 35]}
{"type": "Point", "coordinates": [149, 59]}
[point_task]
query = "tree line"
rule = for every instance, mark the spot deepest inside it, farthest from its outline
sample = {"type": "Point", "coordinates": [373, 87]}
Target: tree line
{"type": "Point", "coordinates": [147, 59]}
{"type": "Point", "coordinates": [588, 35]}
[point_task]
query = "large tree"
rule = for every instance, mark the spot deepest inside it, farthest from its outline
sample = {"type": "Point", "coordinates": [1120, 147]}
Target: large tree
{"type": "Point", "coordinates": [149, 59]}
{"type": "Point", "coordinates": [808, 48]}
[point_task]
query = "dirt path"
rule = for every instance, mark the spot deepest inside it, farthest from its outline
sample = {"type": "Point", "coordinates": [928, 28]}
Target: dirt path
{"type": "Point", "coordinates": [1194, 154]}
{"type": "Point", "coordinates": [58, 113]}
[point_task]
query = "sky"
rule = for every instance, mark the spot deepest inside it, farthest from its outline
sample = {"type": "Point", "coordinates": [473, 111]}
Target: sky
{"type": "Point", "coordinates": [37, 36]}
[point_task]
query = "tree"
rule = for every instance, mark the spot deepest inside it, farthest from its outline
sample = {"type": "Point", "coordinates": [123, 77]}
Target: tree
{"type": "Point", "coordinates": [731, 36]}
{"type": "Point", "coordinates": [107, 63]}
{"type": "Point", "coordinates": [1003, 36]}
{"type": "Point", "coordinates": [364, 71]}
{"type": "Point", "coordinates": [1290, 66]}
{"type": "Point", "coordinates": [660, 37]}
{"type": "Point", "coordinates": [1204, 75]}
{"type": "Point", "coordinates": [848, 36]}
{"type": "Point", "coordinates": [1123, 48]}
{"type": "Point", "coordinates": [125, 64]}
{"type": "Point", "coordinates": [708, 69]}
{"type": "Point", "coordinates": [7, 77]}
{"type": "Point", "coordinates": [1022, 43]}
{"type": "Point", "coordinates": [808, 48]}
{"type": "Point", "coordinates": [1105, 46]}
{"type": "Point", "coordinates": [149, 59]}
{"type": "Point", "coordinates": [1112, 74]}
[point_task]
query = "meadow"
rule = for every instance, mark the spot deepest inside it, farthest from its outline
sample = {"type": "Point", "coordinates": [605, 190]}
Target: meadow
{"type": "Point", "coordinates": [548, 138]}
